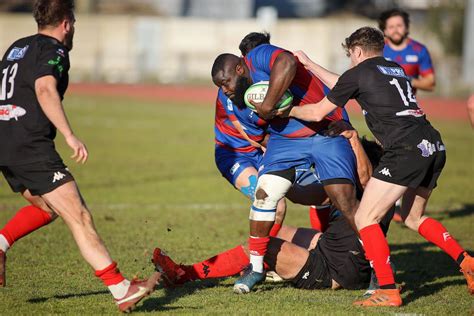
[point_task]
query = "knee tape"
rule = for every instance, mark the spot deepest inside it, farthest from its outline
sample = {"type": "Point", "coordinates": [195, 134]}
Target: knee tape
{"type": "Point", "coordinates": [270, 189]}
{"type": "Point", "coordinates": [249, 191]}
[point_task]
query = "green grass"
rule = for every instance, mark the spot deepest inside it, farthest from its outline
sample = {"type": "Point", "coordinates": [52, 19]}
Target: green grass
{"type": "Point", "coordinates": [151, 181]}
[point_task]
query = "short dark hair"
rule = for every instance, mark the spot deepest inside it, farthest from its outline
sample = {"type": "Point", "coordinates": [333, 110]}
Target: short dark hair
{"type": "Point", "coordinates": [368, 38]}
{"type": "Point", "coordinates": [373, 150]}
{"type": "Point", "coordinates": [221, 62]}
{"type": "Point", "coordinates": [252, 40]}
{"type": "Point", "coordinates": [52, 12]}
{"type": "Point", "coordinates": [384, 16]}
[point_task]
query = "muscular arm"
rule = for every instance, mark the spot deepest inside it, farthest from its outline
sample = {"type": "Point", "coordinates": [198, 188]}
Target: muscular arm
{"type": "Point", "coordinates": [426, 83]}
{"type": "Point", "coordinates": [282, 74]}
{"type": "Point", "coordinates": [315, 112]}
{"type": "Point", "coordinates": [50, 102]}
{"type": "Point", "coordinates": [327, 77]}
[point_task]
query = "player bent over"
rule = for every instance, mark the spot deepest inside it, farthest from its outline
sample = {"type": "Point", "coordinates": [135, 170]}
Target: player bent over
{"type": "Point", "coordinates": [414, 155]}
{"type": "Point", "coordinates": [35, 78]}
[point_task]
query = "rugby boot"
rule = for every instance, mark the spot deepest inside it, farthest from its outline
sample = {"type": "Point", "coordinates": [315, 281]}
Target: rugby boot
{"type": "Point", "coordinates": [248, 280]}
{"type": "Point", "coordinates": [138, 290]}
{"type": "Point", "coordinates": [172, 274]}
{"type": "Point", "coordinates": [374, 283]}
{"type": "Point", "coordinates": [272, 276]}
{"type": "Point", "coordinates": [3, 261]}
{"type": "Point", "coordinates": [467, 268]}
{"type": "Point", "coordinates": [382, 297]}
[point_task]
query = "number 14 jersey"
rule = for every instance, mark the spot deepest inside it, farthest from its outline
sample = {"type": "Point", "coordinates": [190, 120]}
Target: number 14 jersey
{"type": "Point", "coordinates": [384, 92]}
{"type": "Point", "coordinates": [26, 134]}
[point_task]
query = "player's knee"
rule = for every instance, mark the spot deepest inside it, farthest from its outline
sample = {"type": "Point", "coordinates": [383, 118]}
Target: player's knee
{"type": "Point", "coordinates": [249, 191]}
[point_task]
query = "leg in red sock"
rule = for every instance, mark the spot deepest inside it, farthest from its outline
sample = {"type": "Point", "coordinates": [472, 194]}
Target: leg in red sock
{"type": "Point", "coordinates": [319, 217]}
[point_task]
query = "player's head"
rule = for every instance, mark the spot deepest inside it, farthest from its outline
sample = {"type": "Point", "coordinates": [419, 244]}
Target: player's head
{"type": "Point", "coordinates": [373, 150]}
{"type": "Point", "coordinates": [364, 43]}
{"type": "Point", "coordinates": [230, 73]}
{"type": "Point", "coordinates": [252, 40]}
{"type": "Point", "coordinates": [394, 24]}
{"type": "Point", "coordinates": [57, 16]}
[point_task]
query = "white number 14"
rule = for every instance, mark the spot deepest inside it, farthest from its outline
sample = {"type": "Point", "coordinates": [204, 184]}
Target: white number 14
{"type": "Point", "coordinates": [411, 97]}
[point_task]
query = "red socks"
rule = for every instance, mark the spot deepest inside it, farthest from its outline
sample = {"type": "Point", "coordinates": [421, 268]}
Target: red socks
{"type": "Point", "coordinates": [26, 220]}
{"type": "Point", "coordinates": [275, 229]}
{"type": "Point", "coordinates": [436, 233]}
{"type": "Point", "coordinates": [319, 217]}
{"type": "Point", "coordinates": [227, 263]}
{"type": "Point", "coordinates": [377, 251]}
{"type": "Point", "coordinates": [110, 275]}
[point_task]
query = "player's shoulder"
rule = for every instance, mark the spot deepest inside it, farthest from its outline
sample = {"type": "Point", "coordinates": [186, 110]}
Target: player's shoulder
{"type": "Point", "coordinates": [49, 44]}
{"type": "Point", "coordinates": [415, 45]}
{"type": "Point", "coordinates": [264, 48]}
{"type": "Point", "coordinates": [18, 48]}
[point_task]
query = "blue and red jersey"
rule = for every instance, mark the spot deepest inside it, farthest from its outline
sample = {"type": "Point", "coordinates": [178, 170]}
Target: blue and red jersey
{"type": "Point", "coordinates": [305, 87]}
{"type": "Point", "coordinates": [227, 135]}
{"type": "Point", "coordinates": [414, 59]}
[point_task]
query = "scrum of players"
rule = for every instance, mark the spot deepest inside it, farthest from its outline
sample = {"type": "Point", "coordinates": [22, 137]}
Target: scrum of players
{"type": "Point", "coordinates": [312, 155]}
{"type": "Point", "coordinates": [309, 154]}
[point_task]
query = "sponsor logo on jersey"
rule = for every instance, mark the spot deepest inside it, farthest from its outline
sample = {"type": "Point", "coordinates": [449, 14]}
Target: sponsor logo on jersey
{"type": "Point", "coordinates": [427, 148]}
{"type": "Point", "coordinates": [9, 111]}
{"type": "Point", "coordinates": [229, 105]}
{"type": "Point", "coordinates": [415, 113]}
{"type": "Point", "coordinates": [411, 58]}
{"type": "Point", "coordinates": [58, 176]}
{"type": "Point", "coordinates": [386, 172]}
{"type": "Point", "coordinates": [60, 52]}
{"type": "Point", "coordinates": [17, 53]}
{"type": "Point", "coordinates": [234, 168]}
{"type": "Point", "coordinates": [392, 71]}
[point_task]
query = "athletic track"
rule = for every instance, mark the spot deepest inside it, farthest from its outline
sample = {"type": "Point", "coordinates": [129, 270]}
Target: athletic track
{"type": "Point", "coordinates": [435, 108]}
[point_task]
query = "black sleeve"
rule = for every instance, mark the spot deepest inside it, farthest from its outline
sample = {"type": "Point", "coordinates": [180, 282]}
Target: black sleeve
{"type": "Point", "coordinates": [52, 61]}
{"type": "Point", "coordinates": [346, 88]}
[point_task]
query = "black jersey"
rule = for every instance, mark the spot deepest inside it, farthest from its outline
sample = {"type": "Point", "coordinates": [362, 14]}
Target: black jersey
{"type": "Point", "coordinates": [26, 134]}
{"type": "Point", "coordinates": [384, 92]}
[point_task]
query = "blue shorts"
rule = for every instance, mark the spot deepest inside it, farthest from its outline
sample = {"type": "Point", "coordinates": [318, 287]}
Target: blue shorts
{"type": "Point", "coordinates": [231, 163]}
{"type": "Point", "coordinates": [331, 157]}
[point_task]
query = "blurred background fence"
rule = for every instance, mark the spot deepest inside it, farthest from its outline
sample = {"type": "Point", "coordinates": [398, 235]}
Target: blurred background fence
{"type": "Point", "coordinates": [176, 41]}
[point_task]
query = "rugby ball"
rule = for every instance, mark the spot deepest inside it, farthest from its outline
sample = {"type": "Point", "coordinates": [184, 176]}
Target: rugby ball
{"type": "Point", "coordinates": [258, 91]}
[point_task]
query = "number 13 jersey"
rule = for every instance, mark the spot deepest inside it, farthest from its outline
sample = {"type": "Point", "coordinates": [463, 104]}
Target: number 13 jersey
{"type": "Point", "coordinates": [26, 134]}
{"type": "Point", "coordinates": [384, 92]}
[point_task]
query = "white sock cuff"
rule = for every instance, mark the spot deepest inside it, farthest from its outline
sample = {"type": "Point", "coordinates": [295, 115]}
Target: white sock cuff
{"type": "Point", "coordinates": [4, 245]}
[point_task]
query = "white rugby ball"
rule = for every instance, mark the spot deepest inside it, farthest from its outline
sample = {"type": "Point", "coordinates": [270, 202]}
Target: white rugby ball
{"type": "Point", "coordinates": [258, 91]}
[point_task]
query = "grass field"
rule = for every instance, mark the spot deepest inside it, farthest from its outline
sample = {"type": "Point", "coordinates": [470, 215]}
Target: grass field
{"type": "Point", "coordinates": [151, 181]}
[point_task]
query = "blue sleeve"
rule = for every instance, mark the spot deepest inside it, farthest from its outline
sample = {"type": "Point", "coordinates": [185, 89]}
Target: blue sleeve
{"type": "Point", "coordinates": [426, 66]}
{"type": "Point", "coordinates": [227, 104]}
{"type": "Point", "coordinates": [263, 57]}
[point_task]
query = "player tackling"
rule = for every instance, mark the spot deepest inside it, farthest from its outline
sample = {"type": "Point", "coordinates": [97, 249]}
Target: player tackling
{"type": "Point", "coordinates": [414, 155]}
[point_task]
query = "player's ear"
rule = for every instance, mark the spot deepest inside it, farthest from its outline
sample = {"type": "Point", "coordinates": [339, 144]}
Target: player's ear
{"type": "Point", "coordinates": [66, 26]}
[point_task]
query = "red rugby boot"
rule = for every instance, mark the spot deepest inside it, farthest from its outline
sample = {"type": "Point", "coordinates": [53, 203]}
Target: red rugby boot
{"type": "Point", "coordinates": [467, 268]}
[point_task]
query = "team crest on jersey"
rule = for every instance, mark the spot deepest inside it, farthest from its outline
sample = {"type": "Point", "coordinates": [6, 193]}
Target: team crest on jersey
{"type": "Point", "coordinates": [392, 71]}
{"type": "Point", "coordinates": [17, 53]}
{"type": "Point", "coordinates": [9, 111]}
{"type": "Point", "coordinates": [60, 52]}
{"type": "Point", "coordinates": [415, 113]}
{"type": "Point", "coordinates": [427, 148]}
{"type": "Point", "coordinates": [411, 58]}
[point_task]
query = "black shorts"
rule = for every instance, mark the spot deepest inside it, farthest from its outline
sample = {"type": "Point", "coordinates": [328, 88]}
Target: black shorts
{"type": "Point", "coordinates": [39, 177]}
{"type": "Point", "coordinates": [414, 162]}
{"type": "Point", "coordinates": [314, 274]}
{"type": "Point", "coordinates": [344, 255]}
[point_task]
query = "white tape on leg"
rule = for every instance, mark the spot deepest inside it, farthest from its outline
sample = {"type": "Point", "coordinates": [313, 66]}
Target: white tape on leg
{"type": "Point", "coordinates": [270, 189]}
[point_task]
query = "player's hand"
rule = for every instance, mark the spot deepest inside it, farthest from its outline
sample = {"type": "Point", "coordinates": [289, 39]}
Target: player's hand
{"type": "Point", "coordinates": [302, 57]}
{"type": "Point", "coordinates": [262, 112]}
{"type": "Point", "coordinates": [342, 128]}
{"type": "Point", "coordinates": [284, 113]}
{"type": "Point", "coordinates": [80, 153]}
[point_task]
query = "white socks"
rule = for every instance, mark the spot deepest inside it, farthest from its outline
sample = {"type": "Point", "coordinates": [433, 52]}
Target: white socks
{"type": "Point", "coordinates": [257, 263]}
{"type": "Point", "coordinates": [119, 290]}
{"type": "Point", "coordinates": [4, 245]}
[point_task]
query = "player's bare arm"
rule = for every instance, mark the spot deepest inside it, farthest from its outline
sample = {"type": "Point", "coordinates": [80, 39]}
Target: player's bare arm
{"type": "Point", "coordinates": [327, 77]}
{"type": "Point", "coordinates": [282, 74]}
{"type": "Point", "coordinates": [315, 112]}
{"type": "Point", "coordinates": [239, 127]}
{"type": "Point", "coordinates": [426, 83]}
{"type": "Point", "coordinates": [50, 102]}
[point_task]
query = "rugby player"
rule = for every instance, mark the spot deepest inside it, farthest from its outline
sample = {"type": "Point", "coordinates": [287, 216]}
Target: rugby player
{"type": "Point", "coordinates": [414, 155]}
{"type": "Point", "coordinates": [293, 145]}
{"type": "Point", "coordinates": [34, 74]}
{"type": "Point", "coordinates": [405, 51]}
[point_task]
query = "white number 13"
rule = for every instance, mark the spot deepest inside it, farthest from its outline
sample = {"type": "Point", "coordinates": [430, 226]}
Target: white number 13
{"type": "Point", "coordinates": [411, 97]}
{"type": "Point", "coordinates": [10, 76]}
